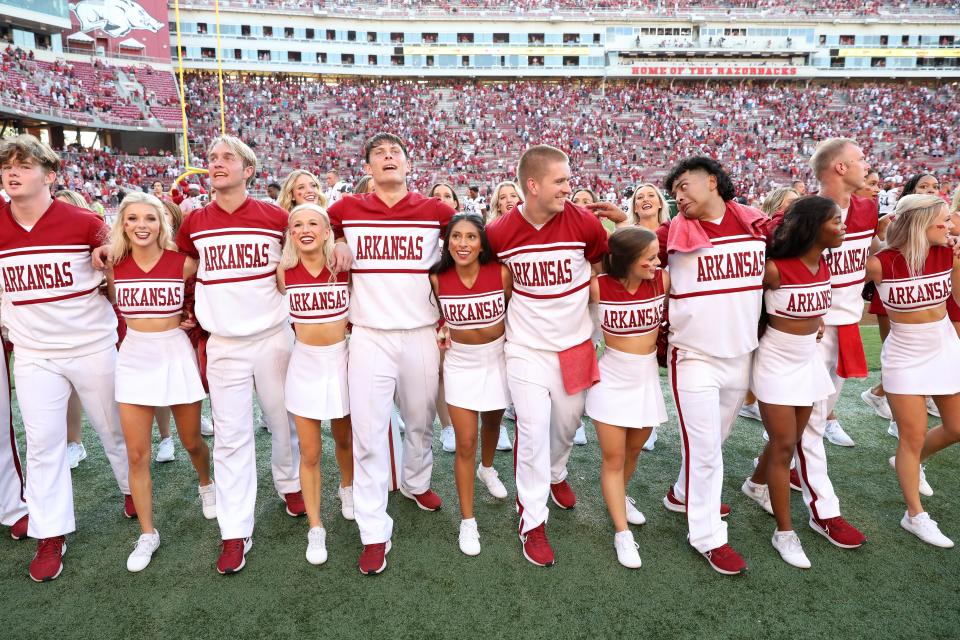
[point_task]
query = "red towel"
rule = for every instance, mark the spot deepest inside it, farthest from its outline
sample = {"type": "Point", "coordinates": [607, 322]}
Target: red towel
{"type": "Point", "coordinates": [851, 361]}
{"type": "Point", "coordinates": [686, 235]}
{"type": "Point", "coordinates": [579, 368]}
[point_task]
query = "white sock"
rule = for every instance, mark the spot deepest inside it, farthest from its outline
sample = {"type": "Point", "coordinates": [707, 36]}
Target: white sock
{"type": "Point", "coordinates": [472, 521]}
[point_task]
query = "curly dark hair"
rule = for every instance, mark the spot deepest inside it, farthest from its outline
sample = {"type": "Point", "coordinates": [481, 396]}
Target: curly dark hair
{"type": "Point", "coordinates": [707, 165]}
{"type": "Point", "coordinates": [800, 226]}
{"type": "Point", "coordinates": [910, 186]}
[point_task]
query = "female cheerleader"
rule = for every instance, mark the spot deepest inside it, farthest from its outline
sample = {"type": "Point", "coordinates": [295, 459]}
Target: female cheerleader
{"type": "Point", "coordinates": [914, 276]}
{"type": "Point", "coordinates": [156, 366]}
{"type": "Point", "coordinates": [316, 387]}
{"type": "Point", "coordinates": [785, 379]}
{"type": "Point", "coordinates": [473, 289]}
{"type": "Point", "coordinates": [302, 187]}
{"type": "Point", "coordinates": [627, 403]}
{"type": "Point", "coordinates": [648, 208]}
{"type": "Point", "coordinates": [506, 195]}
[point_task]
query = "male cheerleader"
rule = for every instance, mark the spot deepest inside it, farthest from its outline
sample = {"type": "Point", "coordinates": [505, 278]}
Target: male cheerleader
{"type": "Point", "coordinates": [64, 334]}
{"type": "Point", "coordinates": [392, 238]}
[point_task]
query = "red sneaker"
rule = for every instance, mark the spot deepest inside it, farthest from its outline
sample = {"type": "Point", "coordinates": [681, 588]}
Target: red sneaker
{"type": "Point", "coordinates": [795, 480]}
{"type": "Point", "coordinates": [233, 555]}
{"type": "Point", "coordinates": [18, 530]}
{"type": "Point", "coordinates": [839, 532]}
{"type": "Point", "coordinates": [47, 564]}
{"type": "Point", "coordinates": [373, 560]}
{"type": "Point", "coordinates": [536, 547]}
{"type": "Point", "coordinates": [295, 505]}
{"type": "Point", "coordinates": [671, 502]}
{"type": "Point", "coordinates": [725, 560]}
{"type": "Point", "coordinates": [129, 509]}
{"type": "Point", "coordinates": [563, 496]}
{"type": "Point", "coordinates": [428, 500]}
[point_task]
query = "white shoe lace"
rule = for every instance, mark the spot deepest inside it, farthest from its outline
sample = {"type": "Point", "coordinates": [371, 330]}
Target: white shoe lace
{"type": "Point", "coordinates": [469, 532]}
{"type": "Point", "coordinates": [144, 546]}
{"type": "Point", "coordinates": [316, 538]}
{"type": "Point", "coordinates": [207, 497]}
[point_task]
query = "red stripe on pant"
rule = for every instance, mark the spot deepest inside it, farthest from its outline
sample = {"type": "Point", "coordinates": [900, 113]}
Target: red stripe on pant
{"type": "Point", "coordinates": [393, 462]}
{"type": "Point", "coordinates": [13, 436]}
{"type": "Point", "coordinates": [516, 448]}
{"type": "Point", "coordinates": [683, 429]}
{"type": "Point", "coordinates": [806, 481]}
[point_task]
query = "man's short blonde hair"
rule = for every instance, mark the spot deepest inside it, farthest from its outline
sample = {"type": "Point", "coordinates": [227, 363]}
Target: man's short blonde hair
{"type": "Point", "coordinates": [534, 161]}
{"type": "Point", "coordinates": [238, 146]}
{"type": "Point", "coordinates": [826, 154]}
{"type": "Point", "coordinates": [27, 147]}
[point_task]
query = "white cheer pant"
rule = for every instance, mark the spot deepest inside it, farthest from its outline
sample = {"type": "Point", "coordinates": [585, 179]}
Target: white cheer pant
{"type": "Point", "coordinates": [235, 367]}
{"type": "Point", "coordinates": [708, 393]}
{"type": "Point", "coordinates": [547, 418]}
{"type": "Point", "coordinates": [12, 503]}
{"type": "Point", "coordinates": [43, 389]}
{"type": "Point", "coordinates": [405, 363]}
{"type": "Point", "coordinates": [811, 457]}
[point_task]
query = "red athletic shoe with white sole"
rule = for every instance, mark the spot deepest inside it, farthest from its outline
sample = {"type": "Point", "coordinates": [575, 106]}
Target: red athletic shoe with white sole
{"type": "Point", "coordinates": [295, 506]}
{"type": "Point", "coordinates": [373, 560]}
{"type": "Point", "coordinates": [725, 560]}
{"type": "Point", "coordinates": [672, 504]}
{"type": "Point", "coordinates": [562, 495]}
{"type": "Point", "coordinates": [233, 555]}
{"type": "Point", "coordinates": [795, 480]}
{"type": "Point", "coordinates": [536, 547]}
{"type": "Point", "coordinates": [18, 530]}
{"type": "Point", "coordinates": [129, 509]}
{"type": "Point", "coordinates": [839, 532]}
{"type": "Point", "coordinates": [47, 564]}
{"type": "Point", "coordinates": [428, 500]}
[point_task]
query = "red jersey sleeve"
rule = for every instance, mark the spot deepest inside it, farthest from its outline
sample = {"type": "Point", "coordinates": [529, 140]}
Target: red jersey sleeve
{"type": "Point", "coordinates": [662, 232]}
{"type": "Point", "coordinates": [185, 242]}
{"type": "Point", "coordinates": [444, 214]}
{"type": "Point", "coordinates": [98, 233]}
{"type": "Point", "coordinates": [596, 238]}
{"type": "Point", "coordinates": [335, 213]}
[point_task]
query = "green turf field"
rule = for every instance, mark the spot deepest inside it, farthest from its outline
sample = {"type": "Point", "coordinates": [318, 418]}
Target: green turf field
{"type": "Point", "coordinates": [894, 587]}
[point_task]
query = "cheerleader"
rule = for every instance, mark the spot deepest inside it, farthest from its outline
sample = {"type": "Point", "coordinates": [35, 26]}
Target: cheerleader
{"type": "Point", "coordinates": [914, 276]}
{"type": "Point", "coordinates": [785, 379]}
{"type": "Point", "coordinates": [627, 403]}
{"type": "Point", "coordinates": [302, 187]}
{"type": "Point", "coordinates": [472, 289]}
{"type": "Point", "coordinates": [316, 386]}
{"type": "Point", "coordinates": [156, 366]}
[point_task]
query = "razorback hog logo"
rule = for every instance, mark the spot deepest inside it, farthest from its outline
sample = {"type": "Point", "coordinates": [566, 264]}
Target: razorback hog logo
{"type": "Point", "coordinates": [117, 18]}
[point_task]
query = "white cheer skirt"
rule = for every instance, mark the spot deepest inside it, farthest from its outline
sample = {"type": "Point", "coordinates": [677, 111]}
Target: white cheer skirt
{"type": "Point", "coordinates": [788, 370]}
{"type": "Point", "coordinates": [475, 376]}
{"type": "Point", "coordinates": [921, 359]}
{"type": "Point", "coordinates": [157, 369]}
{"type": "Point", "coordinates": [628, 394]}
{"type": "Point", "coordinates": [316, 385]}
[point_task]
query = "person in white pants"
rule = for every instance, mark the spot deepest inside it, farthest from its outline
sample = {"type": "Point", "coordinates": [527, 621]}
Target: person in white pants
{"type": "Point", "coordinates": [64, 334]}
{"type": "Point", "coordinates": [391, 238]}
{"type": "Point", "coordinates": [714, 252]}
{"type": "Point", "coordinates": [549, 244]}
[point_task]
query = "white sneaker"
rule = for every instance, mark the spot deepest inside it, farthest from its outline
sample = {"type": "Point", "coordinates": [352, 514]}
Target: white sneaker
{"type": "Point", "coordinates": [932, 408]}
{"type": "Point", "coordinates": [448, 438]}
{"type": "Point", "coordinates": [76, 453]}
{"type": "Point", "coordinates": [317, 545]}
{"type": "Point", "coordinates": [491, 480]}
{"type": "Point", "coordinates": [469, 537]}
{"type": "Point", "coordinates": [759, 493]}
{"type": "Point", "coordinates": [627, 548]}
{"type": "Point", "coordinates": [143, 551]}
{"type": "Point", "coordinates": [788, 545]}
{"type": "Point", "coordinates": [503, 442]}
{"type": "Point", "coordinates": [651, 441]}
{"type": "Point", "coordinates": [580, 437]}
{"type": "Point", "coordinates": [892, 430]}
{"type": "Point", "coordinates": [751, 412]}
{"type": "Point", "coordinates": [925, 488]}
{"type": "Point", "coordinates": [836, 435]}
{"type": "Point", "coordinates": [634, 515]}
{"type": "Point", "coordinates": [510, 413]}
{"type": "Point", "coordinates": [206, 426]}
{"type": "Point", "coordinates": [165, 451]}
{"type": "Point", "coordinates": [878, 403]}
{"type": "Point", "coordinates": [396, 416]}
{"type": "Point", "coordinates": [925, 528]}
{"type": "Point", "coordinates": [765, 435]}
{"type": "Point", "coordinates": [208, 500]}
{"type": "Point", "coordinates": [346, 502]}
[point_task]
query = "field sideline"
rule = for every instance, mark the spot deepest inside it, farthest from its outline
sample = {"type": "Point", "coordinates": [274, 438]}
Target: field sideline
{"type": "Point", "coordinates": [894, 587]}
